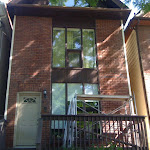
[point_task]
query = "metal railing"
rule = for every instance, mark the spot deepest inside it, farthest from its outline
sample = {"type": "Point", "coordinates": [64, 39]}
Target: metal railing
{"type": "Point", "coordinates": [2, 133]}
{"type": "Point", "coordinates": [91, 131]}
{"type": "Point", "coordinates": [124, 102]}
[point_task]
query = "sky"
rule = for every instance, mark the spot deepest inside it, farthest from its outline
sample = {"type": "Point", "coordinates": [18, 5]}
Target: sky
{"type": "Point", "coordinates": [5, 1]}
{"type": "Point", "coordinates": [132, 14]}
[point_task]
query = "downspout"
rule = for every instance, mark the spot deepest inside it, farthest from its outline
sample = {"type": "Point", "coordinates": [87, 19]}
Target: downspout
{"type": "Point", "coordinates": [9, 72]}
{"type": "Point", "coordinates": [127, 70]}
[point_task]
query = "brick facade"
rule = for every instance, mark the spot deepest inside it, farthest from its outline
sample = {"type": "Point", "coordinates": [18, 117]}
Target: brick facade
{"type": "Point", "coordinates": [31, 64]}
{"type": "Point", "coordinates": [111, 61]}
{"type": "Point", "coordinates": [147, 15]}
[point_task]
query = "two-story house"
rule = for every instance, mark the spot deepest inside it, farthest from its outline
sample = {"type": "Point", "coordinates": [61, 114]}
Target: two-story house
{"type": "Point", "coordinates": [58, 52]}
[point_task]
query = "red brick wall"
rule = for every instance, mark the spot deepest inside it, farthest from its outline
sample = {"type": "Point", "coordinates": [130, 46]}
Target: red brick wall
{"type": "Point", "coordinates": [147, 15]}
{"type": "Point", "coordinates": [144, 41]}
{"type": "Point", "coordinates": [31, 64]}
{"type": "Point", "coordinates": [32, 72]}
{"type": "Point", "coordinates": [111, 61]}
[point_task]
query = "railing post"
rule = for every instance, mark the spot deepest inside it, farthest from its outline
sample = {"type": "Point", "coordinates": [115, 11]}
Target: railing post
{"type": "Point", "coordinates": [134, 100]}
{"type": "Point", "coordinates": [39, 134]}
{"type": "Point", "coordinates": [2, 134]}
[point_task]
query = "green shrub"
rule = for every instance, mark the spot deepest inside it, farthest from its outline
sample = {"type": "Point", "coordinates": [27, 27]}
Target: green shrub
{"type": "Point", "coordinates": [111, 147]}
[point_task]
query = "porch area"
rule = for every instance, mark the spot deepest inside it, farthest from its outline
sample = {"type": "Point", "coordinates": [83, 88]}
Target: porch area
{"type": "Point", "coordinates": [89, 128]}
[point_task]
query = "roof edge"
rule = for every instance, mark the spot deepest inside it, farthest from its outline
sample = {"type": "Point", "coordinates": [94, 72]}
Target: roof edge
{"type": "Point", "coordinates": [67, 8]}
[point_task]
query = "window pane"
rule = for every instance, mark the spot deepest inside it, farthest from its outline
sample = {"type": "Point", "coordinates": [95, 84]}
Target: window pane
{"type": "Point", "coordinates": [74, 88]}
{"type": "Point", "coordinates": [89, 60]}
{"type": "Point", "coordinates": [91, 89]}
{"type": "Point", "coordinates": [73, 39]}
{"type": "Point", "coordinates": [74, 59]}
{"type": "Point", "coordinates": [58, 47]}
{"type": "Point", "coordinates": [58, 98]}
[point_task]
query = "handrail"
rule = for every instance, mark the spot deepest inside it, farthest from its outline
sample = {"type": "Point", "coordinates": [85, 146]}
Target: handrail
{"type": "Point", "coordinates": [92, 115]}
{"type": "Point", "coordinates": [104, 97]}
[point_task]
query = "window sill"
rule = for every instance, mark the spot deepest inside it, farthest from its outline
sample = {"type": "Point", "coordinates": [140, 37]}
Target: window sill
{"type": "Point", "coordinates": [72, 68]}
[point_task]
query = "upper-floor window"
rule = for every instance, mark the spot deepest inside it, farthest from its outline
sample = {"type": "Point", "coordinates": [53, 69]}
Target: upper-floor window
{"type": "Point", "coordinates": [74, 47]}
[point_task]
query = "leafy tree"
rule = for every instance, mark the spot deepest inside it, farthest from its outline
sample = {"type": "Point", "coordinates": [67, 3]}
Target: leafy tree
{"type": "Point", "coordinates": [88, 3]}
{"type": "Point", "coordinates": [141, 4]}
{"type": "Point", "coordinates": [57, 2]}
{"type": "Point", "coordinates": [79, 3]}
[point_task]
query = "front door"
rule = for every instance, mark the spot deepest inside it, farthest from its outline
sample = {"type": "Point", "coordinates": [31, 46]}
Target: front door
{"type": "Point", "coordinates": [27, 115]}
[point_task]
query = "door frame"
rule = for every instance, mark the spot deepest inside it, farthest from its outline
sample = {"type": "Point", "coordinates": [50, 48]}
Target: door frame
{"type": "Point", "coordinates": [16, 119]}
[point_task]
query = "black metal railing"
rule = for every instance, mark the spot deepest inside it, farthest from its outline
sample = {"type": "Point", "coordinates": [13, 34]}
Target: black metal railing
{"type": "Point", "coordinates": [2, 133]}
{"type": "Point", "coordinates": [92, 131]}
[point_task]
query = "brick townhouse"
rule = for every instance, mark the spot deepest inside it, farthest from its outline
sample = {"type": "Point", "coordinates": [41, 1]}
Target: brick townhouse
{"type": "Point", "coordinates": [57, 52]}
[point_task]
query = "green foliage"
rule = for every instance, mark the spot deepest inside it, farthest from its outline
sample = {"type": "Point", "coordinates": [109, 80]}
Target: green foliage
{"type": "Point", "coordinates": [141, 4]}
{"type": "Point", "coordinates": [89, 3]}
{"type": "Point", "coordinates": [111, 147]}
{"type": "Point", "coordinates": [71, 148]}
{"type": "Point", "coordinates": [57, 2]}
{"type": "Point", "coordinates": [77, 3]}
{"type": "Point", "coordinates": [145, 7]}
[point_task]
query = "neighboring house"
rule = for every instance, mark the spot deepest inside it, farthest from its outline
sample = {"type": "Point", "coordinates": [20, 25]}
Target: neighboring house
{"type": "Point", "coordinates": [5, 40]}
{"type": "Point", "coordinates": [138, 55]}
{"type": "Point", "coordinates": [58, 52]}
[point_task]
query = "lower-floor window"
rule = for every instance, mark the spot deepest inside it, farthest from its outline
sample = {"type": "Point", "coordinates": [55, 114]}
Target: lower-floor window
{"type": "Point", "coordinates": [62, 93]}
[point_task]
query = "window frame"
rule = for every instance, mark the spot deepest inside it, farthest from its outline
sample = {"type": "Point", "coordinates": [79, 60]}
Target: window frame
{"type": "Point", "coordinates": [67, 51]}
{"type": "Point", "coordinates": [66, 93]}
